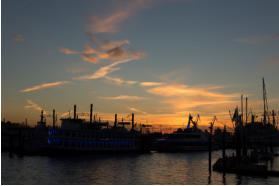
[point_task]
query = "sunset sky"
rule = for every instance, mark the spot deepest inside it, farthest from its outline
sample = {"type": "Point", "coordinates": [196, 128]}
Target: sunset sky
{"type": "Point", "coordinates": [158, 59]}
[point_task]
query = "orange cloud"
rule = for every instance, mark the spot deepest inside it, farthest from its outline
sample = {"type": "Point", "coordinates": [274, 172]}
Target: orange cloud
{"type": "Point", "coordinates": [68, 51]}
{"type": "Point", "coordinates": [91, 59]}
{"type": "Point", "coordinates": [45, 85]}
{"type": "Point", "coordinates": [17, 37]}
{"type": "Point", "coordinates": [84, 54]}
{"type": "Point", "coordinates": [123, 97]}
{"type": "Point", "coordinates": [184, 90]}
{"type": "Point", "coordinates": [182, 97]}
{"type": "Point", "coordinates": [88, 49]}
{"type": "Point", "coordinates": [181, 103]}
{"type": "Point", "coordinates": [150, 84]}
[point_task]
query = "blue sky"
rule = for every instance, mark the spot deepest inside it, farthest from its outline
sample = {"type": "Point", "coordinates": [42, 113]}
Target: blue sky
{"type": "Point", "coordinates": [198, 56]}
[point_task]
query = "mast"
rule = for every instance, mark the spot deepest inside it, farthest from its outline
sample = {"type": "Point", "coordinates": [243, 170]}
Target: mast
{"type": "Point", "coordinates": [75, 112]}
{"type": "Point", "coordinates": [133, 119]}
{"type": "Point", "coordinates": [241, 110]}
{"type": "Point", "coordinates": [53, 118]}
{"type": "Point", "coordinates": [273, 118]}
{"type": "Point", "coordinates": [189, 121]}
{"type": "Point", "coordinates": [246, 111]}
{"type": "Point", "coordinates": [91, 109]}
{"type": "Point", "coordinates": [265, 103]}
{"type": "Point", "coordinates": [115, 120]}
{"type": "Point", "coordinates": [42, 116]}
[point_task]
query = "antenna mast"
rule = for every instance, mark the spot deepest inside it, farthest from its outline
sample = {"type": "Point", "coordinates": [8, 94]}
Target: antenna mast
{"type": "Point", "coordinates": [265, 104]}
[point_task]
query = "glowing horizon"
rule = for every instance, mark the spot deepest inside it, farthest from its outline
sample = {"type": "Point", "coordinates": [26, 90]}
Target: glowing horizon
{"type": "Point", "coordinates": [158, 59]}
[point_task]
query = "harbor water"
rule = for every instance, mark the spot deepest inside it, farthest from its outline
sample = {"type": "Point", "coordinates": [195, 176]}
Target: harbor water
{"type": "Point", "coordinates": [148, 168]}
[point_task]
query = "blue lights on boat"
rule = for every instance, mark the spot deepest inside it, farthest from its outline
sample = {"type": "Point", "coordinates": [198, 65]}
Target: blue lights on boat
{"type": "Point", "coordinates": [91, 142]}
{"type": "Point", "coordinates": [51, 132]}
{"type": "Point", "coordinates": [53, 140]}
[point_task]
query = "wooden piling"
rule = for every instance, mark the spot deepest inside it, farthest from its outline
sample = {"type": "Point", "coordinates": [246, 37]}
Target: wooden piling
{"type": "Point", "coordinates": [224, 147]}
{"type": "Point", "coordinates": [210, 144]}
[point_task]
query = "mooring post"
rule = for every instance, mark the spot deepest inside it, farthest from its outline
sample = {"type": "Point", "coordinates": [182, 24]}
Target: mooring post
{"type": "Point", "coordinates": [210, 147]}
{"type": "Point", "coordinates": [224, 148]}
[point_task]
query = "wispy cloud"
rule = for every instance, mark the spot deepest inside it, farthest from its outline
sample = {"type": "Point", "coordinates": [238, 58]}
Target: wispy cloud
{"type": "Point", "coordinates": [182, 96]}
{"type": "Point", "coordinates": [274, 36]}
{"type": "Point", "coordinates": [257, 40]}
{"type": "Point", "coordinates": [133, 109]}
{"type": "Point", "coordinates": [105, 70]}
{"type": "Point", "coordinates": [119, 81]}
{"type": "Point", "coordinates": [17, 37]}
{"type": "Point", "coordinates": [118, 51]}
{"type": "Point", "coordinates": [183, 90]}
{"type": "Point", "coordinates": [83, 54]}
{"type": "Point", "coordinates": [150, 84]}
{"type": "Point", "coordinates": [109, 50]}
{"type": "Point", "coordinates": [111, 22]}
{"type": "Point", "coordinates": [45, 85]}
{"type": "Point", "coordinates": [32, 105]}
{"type": "Point", "coordinates": [123, 97]}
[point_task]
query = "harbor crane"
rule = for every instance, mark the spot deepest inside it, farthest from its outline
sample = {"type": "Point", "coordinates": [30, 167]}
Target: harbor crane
{"type": "Point", "coordinates": [195, 123]}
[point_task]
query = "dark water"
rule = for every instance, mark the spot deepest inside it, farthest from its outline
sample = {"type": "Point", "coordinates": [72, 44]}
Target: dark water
{"type": "Point", "coordinates": [152, 168]}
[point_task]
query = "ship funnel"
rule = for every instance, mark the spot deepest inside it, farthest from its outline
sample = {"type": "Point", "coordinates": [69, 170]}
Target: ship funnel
{"type": "Point", "coordinates": [133, 119]}
{"type": "Point", "coordinates": [53, 117]}
{"type": "Point", "coordinates": [42, 116]}
{"type": "Point", "coordinates": [115, 120]}
{"type": "Point", "coordinates": [75, 112]}
{"type": "Point", "coordinates": [91, 110]}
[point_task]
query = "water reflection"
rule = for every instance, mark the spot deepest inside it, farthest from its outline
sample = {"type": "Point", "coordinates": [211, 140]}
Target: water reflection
{"type": "Point", "coordinates": [152, 168]}
{"type": "Point", "coordinates": [209, 178]}
{"type": "Point", "coordinates": [239, 179]}
{"type": "Point", "coordinates": [224, 179]}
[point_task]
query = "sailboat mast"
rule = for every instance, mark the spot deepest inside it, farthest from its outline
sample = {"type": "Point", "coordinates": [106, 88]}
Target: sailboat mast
{"type": "Point", "coordinates": [264, 101]}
